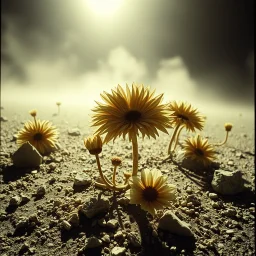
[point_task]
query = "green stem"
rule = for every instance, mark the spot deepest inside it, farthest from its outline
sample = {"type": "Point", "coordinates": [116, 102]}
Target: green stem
{"type": "Point", "coordinates": [135, 156]}
{"type": "Point", "coordinates": [172, 139]}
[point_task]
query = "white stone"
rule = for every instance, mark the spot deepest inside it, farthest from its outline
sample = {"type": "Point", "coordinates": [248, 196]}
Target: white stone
{"type": "Point", "coordinates": [117, 251]}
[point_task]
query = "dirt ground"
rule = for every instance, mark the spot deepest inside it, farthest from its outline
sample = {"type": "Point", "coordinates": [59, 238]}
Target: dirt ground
{"type": "Point", "coordinates": [221, 226]}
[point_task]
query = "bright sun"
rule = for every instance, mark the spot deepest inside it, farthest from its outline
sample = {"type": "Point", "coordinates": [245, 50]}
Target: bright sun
{"type": "Point", "coordinates": [104, 7]}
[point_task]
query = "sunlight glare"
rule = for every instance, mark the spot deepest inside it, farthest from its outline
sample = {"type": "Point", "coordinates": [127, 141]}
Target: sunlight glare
{"type": "Point", "coordinates": [104, 7]}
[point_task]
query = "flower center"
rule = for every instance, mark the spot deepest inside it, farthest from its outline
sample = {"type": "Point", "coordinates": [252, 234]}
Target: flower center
{"type": "Point", "coordinates": [132, 116]}
{"type": "Point", "coordinates": [182, 117]}
{"type": "Point", "coordinates": [199, 152]}
{"type": "Point", "coordinates": [38, 136]}
{"type": "Point", "coordinates": [150, 194]}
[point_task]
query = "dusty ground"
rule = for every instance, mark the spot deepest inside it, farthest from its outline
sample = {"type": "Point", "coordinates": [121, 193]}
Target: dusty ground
{"type": "Point", "coordinates": [216, 231]}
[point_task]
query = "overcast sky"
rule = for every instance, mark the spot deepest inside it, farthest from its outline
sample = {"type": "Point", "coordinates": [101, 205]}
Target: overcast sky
{"type": "Point", "coordinates": [69, 50]}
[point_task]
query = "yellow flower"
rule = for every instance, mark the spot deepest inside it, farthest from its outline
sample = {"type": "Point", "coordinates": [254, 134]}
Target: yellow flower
{"type": "Point", "coordinates": [183, 114]}
{"type": "Point", "coordinates": [228, 127]}
{"type": "Point", "coordinates": [151, 191]}
{"type": "Point", "coordinates": [93, 144]}
{"type": "Point", "coordinates": [33, 112]}
{"type": "Point", "coordinates": [199, 149]}
{"type": "Point", "coordinates": [116, 161]}
{"type": "Point", "coordinates": [41, 134]}
{"type": "Point", "coordinates": [130, 112]}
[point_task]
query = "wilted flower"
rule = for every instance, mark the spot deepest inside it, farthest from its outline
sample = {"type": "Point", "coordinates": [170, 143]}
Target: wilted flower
{"type": "Point", "coordinates": [228, 126]}
{"type": "Point", "coordinates": [33, 112]}
{"type": "Point", "coordinates": [130, 112]}
{"type": "Point", "coordinates": [116, 161]}
{"type": "Point", "coordinates": [93, 144]}
{"type": "Point", "coordinates": [199, 149]}
{"type": "Point", "coordinates": [151, 191]}
{"type": "Point", "coordinates": [41, 134]}
{"type": "Point", "coordinates": [58, 103]}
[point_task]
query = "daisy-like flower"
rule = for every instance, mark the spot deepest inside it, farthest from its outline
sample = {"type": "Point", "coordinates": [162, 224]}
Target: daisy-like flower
{"type": "Point", "coordinates": [41, 134]}
{"type": "Point", "coordinates": [130, 112]}
{"type": "Point", "coordinates": [199, 149]}
{"type": "Point", "coordinates": [151, 191]}
{"type": "Point", "coordinates": [184, 114]}
{"type": "Point", "coordinates": [93, 144]}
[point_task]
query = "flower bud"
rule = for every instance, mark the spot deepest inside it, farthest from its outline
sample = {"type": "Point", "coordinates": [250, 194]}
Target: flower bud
{"type": "Point", "coordinates": [93, 144]}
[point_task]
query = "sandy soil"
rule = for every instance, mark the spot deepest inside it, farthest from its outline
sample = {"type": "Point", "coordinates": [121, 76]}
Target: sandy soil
{"type": "Point", "coordinates": [42, 233]}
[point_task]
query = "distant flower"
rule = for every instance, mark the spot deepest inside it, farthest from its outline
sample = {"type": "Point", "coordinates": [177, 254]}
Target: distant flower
{"type": "Point", "coordinates": [58, 103]}
{"type": "Point", "coordinates": [93, 144]}
{"type": "Point", "coordinates": [228, 127]}
{"type": "Point", "coordinates": [33, 112]}
{"type": "Point", "coordinates": [130, 112]}
{"type": "Point", "coordinates": [199, 149]}
{"type": "Point", "coordinates": [183, 114]}
{"type": "Point", "coordinates": [151, 191]}
{"type": "Point", "coordinates": [116, 161]}
{"type": "Point", "coordinates": [41, 134]}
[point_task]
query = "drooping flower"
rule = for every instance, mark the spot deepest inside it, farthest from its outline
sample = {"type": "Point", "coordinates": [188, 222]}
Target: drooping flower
{"type": "Point", "coordinates": [151, 191]}
{"type": "Point", "coordinates": [228, 127]}
{"type": "Point", "coordinates": [93, 144]}
{"type": "Point", "coordinates": [199, 149]}
{"type": "Point", "coordinates": [183, 114]}
{"type": "Point", "coordinates": [41, 134]}
{"type": "Point", "coordinates": [130, 112]}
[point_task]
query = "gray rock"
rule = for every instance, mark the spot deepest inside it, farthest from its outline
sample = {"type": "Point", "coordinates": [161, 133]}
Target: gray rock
{"type": "Point", "coordinates": [15, 201]}
{"type": "Point", "coordinates": [66, 225]}
{"type": "Point", "coordinates": [93, 206]}
{"type": "Point", "coordinates": [27, 156]}
{"type": "Point", "coordinates": [112, 224]}
{"type": "Point", "coordinates": [228, 182]}
{"type": "Point", "coordinates": [41, 191]}
{"type": "Point", "coordinates": [106, 238]}
{"type": "Point", "coordinates": [117, 251]}
{"type": "Point", "coordinates": [134, 239]}
{"type": "Point", "coordinates": [213, 195]}
{"type": "Point", "coordinates": [170, 222]}
{"type": "Point", "coordinates": [74, 132]}
{"type": "Point", "coordinates": [74, 219]}
{"type": "Point", "coordinates": [82, 179]}
{"type": "Point", "coordinates": [3, 119]}
{"type": "Point", "coordinates": [92, 242]}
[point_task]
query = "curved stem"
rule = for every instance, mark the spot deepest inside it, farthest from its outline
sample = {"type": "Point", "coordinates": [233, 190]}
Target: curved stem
{"type": "Point", "coordinates": [117, 188]}
{"type": "Point", "coordinates": [172, 139]}
{"type": "Point", "coordinates": [177, 137]}
{"type": "Point", "coordinates": [103, 177]}
{"type": "Point", "coordinates": [114, 176]}
{"type": "Point", "coordinates": [135, 156]}
{"type": "Point", "coordinates": [223, 142]}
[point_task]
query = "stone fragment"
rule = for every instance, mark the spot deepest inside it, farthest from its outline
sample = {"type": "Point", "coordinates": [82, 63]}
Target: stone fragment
{"type": "Point", "coordinates": [74, 219]}
{"type": "Point", "coordinates": [170, 222]}
{"type": "Point", "coordinates": [117, 251]}
{"type": "Point", "coordinates": [112, 224]}
{"type": "Point", "coordinates": [213, 195]}
{"type": "Point", "coordinates": [26, 156]}
{"type": "Point", "coordinates": [93, 206]}
{"type": "Point", "coordinates": [92, 242]}
{"type": "Point", "coordinates": [15, 201]}
{"type": "Point", "coordinates": [82, 179]}
{"type": "Point", "coordinates": [74, 132]}
{"type": "Point", "coordinates": [228, 182]}
{"type": "Point", "coordinates": [66, 225]}
{"type": "Point", "coordinates": [134, 239]}
{"type": "Point", "coordinates": [41, 191]}
{"type": "Point", "coordinates": [3, 119]}
{"type": "Point", "coordinates": [106, 238]}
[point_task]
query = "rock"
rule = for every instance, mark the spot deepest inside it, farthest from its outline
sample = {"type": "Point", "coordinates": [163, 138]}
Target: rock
{"type": "Point", "coordinates": [15, 201]}
{"type": "Point", "coordinates": [112, 224]}
{"type": "Point", "coordinates": [92, 242]}
{"type": "Point", "coordinates": [66, 225]}
{"type": "Point", "coordinates": [74, 219]}
{"type": "Point", "coordinates": [22, 223]}
{"type": "Point", "coordinates": [170, 222]}
{"type": "Point", "coordinates": [27, 156]}
{"type": "Point", "coordinates": [106, 238]}
{"type": "Point", "coordinates": [41, 191]}
{"type": "Point", "coordinates": [3, 119]}
{"type": "Point", "coordinates": [117, 251]}
{"type": "Point", "coordinates": [74, 132]}
{"type": "Point", "coordinates": [228, 182]}
{"type": "Point", "coordinates": [134, 239]}
{"type": "Point", "coordinates": [213, 195]}
{"type": "Point", "coordinates": [82, 179]}
{"type": "Point", "coordinates": [93, 206]}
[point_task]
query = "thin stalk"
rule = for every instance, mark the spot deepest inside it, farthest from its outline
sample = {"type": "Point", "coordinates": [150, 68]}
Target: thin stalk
{"type": "Point", "coordinates": [223, 142]}
{"type": "Point", "coordinates": [177, 137]}
{"type": "Point", "coordinates": [58, 109]}
{"type": "Point", "coordinates": [135, 156]}
{"type": "Point", "coordinates": [172, 139]}
{"type": "Point", "coordinates": [114, 176]}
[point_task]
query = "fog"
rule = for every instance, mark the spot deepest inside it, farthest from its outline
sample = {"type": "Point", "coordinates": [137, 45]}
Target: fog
{"type": "Point", "coordinates": [39, 68]}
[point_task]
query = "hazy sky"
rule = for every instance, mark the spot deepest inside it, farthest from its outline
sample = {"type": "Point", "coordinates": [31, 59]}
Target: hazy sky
{"type": "Point", "coordinates": [72, 50]}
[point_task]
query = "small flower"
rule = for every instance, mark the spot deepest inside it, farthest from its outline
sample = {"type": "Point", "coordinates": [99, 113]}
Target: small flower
{"type": "Point", "coordinates": [116, 161]}
{"type": "Point", "coordinates": [199, 149]}
{"type": "Point", "coordinates": [33, 112]}
{"type": "Point", "coordinates": [151, 191]}
{"type": "Point", "coordinates": [93, 144]}
{"type": "Point", "coordinates": [130, 112]}
{"type": "Point", "coordinates": [58, 103]}
{"type": "Point", "coordinates": [184, 114]}
{"type": "Point", "coordinates": [41, 134]}
{"type": "Point", "coordinates": [228, 127]}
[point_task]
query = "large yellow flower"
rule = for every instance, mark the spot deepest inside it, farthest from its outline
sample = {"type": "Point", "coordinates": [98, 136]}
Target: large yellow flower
{"type": "Point", "coordinates": [151, 191]}
{"type": "Point", "coordinates": [130, 112]}
{"type": "Point", "coordinates": [183, 114]}
{"type": "Point", "coordinates": [41, 134]}
{"type": "Point", "coordinates": [199, 149]}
